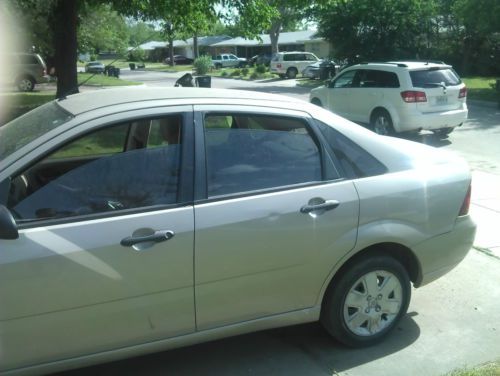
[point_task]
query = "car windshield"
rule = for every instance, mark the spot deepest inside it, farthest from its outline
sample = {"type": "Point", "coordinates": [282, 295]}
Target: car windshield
{"type": "Point", "coordinates": [21, 131]}
{"type": "Point", "coordinates": [431, 77]}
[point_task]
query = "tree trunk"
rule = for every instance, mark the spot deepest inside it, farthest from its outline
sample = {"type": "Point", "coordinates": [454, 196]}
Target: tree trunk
{"type": "Point", "coordinates": [65, 45]}
{"type": "Point", "coordinates": [171, 51]}
{"type": "Point", "coordinates": [195, 46]}
{"type": "Point", "coordinates": [274, 34]}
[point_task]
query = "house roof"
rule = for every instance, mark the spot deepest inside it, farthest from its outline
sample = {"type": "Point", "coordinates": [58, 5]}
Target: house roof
{"type": "Point", "coordinates": [202, 41]}
{"type": "Point", "coordinates": [294, 37]}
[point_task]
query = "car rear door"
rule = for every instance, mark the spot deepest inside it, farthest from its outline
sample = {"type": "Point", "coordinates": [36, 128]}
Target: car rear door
{"type": "Point", "coordinates": [272, 216]}
{"type": "Point", "coordinates": [104, 258]}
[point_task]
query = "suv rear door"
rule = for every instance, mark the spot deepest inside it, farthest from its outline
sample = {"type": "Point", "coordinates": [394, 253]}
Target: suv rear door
{"type": "Point", "coordinates": [441, 86]}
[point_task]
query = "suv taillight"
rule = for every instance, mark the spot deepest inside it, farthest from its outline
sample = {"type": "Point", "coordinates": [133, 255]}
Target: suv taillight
{"type": "Point", "coordinates": [278, 65]}
{"type": "Point", "coordinates": [411, 96]}
{"type": "Point", "coordinates": [463, 92]}
{"type": "Point", "coordinates": [464, 210]}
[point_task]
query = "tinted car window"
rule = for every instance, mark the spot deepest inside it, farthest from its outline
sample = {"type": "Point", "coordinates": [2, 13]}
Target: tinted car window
{"type": "Point", "coordinates": [73, 181]}
{"type": "Point", "coordinates": [250, 152]}
{"type": "Point", "coordinates": [290, 57]}
{"type": "Point", "coordinates": [378, 78]}
{"type": "Point", "coordinates": [355, 161]}
{"type": "Point", "coordinates": [431, 77]}
{"type": "Point", "coordinates": [345, 80]}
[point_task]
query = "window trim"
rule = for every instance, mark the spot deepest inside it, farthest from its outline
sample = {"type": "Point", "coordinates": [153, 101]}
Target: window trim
{"type": "Point", "coordinates": [201, 181]}
{"type": "Point", "coordinates": [186, 178]}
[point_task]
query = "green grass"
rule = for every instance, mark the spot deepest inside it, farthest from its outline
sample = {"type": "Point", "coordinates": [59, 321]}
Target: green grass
{"type": "Point", "coordinates": [481, 88]}
{"type": "Point", "coordinates": [233, 73]}
{"type": "Point", "coordinates": [160, 67]}
{"type": "Point", "coordinates": [490, 369]}
{"type": "Point", "coordinates": [307, 82]}
{"type": "Point", "coordinates": [102, 80]}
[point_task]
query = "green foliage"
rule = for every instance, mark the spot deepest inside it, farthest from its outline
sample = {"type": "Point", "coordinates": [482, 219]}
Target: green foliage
{"type": "Point", "coordinates": [102, 29]}
{"type": "Point", "coordinates": [261, 68]}
{"type": "Point", "coordinates": [224, 73]}
{"type": "Point", "coordinates": [244, 72]}
{"type": "Point", "coordinates": [254, 76]}
{"type": "Point", "coordinates": [202, 64]}
{"type": "Point", "coordinates": [137, 54]}
{"type": "Point", "coordinates": [142, 32]}
{"type": "Point", "coordinates": [236, 72]}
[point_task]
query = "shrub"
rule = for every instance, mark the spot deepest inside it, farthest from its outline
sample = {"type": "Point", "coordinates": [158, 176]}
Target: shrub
{"type": "Point", "coordinates": [224, 73]}
{"type": "Point", "coordinates": [236, 72]}
{"type": "Point", "coordinates": [244, 71]}
{"type": "Point", "coordinates": [261, 68]}
{"type": "Point", "coordinates": [137, 55]}
{"type": "Point", "coordinates": [202, 64]}
{"type": "Point", "coordinates": [254, 76]}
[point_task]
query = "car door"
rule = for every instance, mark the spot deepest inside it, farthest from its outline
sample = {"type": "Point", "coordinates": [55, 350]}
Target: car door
{"type": "Point", "coordinates": [341, 92]}
{"type": "Point", "coordinates": [272, 215]}
{"type": "Point", "coordinates": [104, 258]}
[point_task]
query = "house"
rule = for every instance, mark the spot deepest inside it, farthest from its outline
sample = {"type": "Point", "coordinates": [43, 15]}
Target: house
{"type": "Point", "coordinates": [305, 40]}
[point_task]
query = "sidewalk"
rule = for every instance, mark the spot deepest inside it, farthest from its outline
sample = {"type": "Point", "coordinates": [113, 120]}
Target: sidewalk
{"type": "Point", "coordinates": [485, 210]}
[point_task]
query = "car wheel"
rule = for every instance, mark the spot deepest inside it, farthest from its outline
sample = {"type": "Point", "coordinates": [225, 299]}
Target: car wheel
{"type": "Point", "coordinates": [317, 102]}
{"type": "Point", "coordinates": [291, 73]}
{"type": "Point", "coordinates": [381, 123]}
{"type": "Point", "coordinates": [367, 301]}
{"type": "Point", "coordinates": [443, 132]}
{"type": "Point", "coordinates": [282, 75]}
{"type": "Point", "coordinates": [25, 83]}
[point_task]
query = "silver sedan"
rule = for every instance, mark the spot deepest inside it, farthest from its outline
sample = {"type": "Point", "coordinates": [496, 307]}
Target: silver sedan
{"type": "Point", "coordinates": [138, 220]}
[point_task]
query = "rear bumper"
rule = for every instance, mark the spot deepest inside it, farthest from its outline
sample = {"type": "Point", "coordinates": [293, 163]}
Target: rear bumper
{"type": "Point", "coordinates": [440, 254]}
{"type": "Point", "coordinates": [432, 120]}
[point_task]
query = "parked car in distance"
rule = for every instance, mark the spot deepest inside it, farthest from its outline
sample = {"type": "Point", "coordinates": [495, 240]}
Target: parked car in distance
{"type": "Point", "coordinates": [396, 97]}
{"type": "Point", "coordinates": [301, 212]}
{"type": "Point", "coordinates": [261, 59]}
{"type": "Point", "coordinates": [180, 60]}
{"type": "Point", "coordinates": [94, 67]}
{"type": "Point", "coordinates": [314, 70]}
{"type": "Point", "coordinates": [228, 61]}
{"type": "Point", "coordinates": [24, 70]}
{"type": "Point", "coordinates": [289, 64]}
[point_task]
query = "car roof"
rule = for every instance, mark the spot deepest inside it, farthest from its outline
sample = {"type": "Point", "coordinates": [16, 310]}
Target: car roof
{"type": "Point", "coordinates": [84, 102]}
{"type": "Point", "coordinates": [408, 65]}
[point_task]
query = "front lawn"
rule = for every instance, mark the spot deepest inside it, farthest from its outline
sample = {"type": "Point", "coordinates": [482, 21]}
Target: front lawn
{"type": "Point", "coordinates": [481, 88]}
{"type": "Point", "coordinates": [102, 80]}
{"type": "Point", "coordinates": [490, 369]}
{"type": "Point", "coordinates": [252, 73]}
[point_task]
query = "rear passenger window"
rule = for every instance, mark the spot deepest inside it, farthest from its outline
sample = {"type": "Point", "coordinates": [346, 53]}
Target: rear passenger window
{"type": "Point", "coordinates": [355, 161]}
{"type": "Point", "coordinates": [433, 76]}
{"type": "Point", "coordinates": [254, 152]}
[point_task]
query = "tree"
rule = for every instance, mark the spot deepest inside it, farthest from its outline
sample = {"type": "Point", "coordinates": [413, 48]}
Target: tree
{"type": "Point", "coordinates": [289, 13]}
{"type": "Point", "coordinates": [375, 29]}
{"type": "Point", "coordinates": [140, 32]}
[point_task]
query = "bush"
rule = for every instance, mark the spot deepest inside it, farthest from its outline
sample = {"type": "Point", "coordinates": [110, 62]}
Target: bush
{"type": "Point", "coordinates": [254, 76]}
{"type": "Point", "coordinates": [203, 64]}
{"type": "Point", "coordinates": [137, 55]}
{"type": "Point", "coordinates": [236, 72]}
{"type": "Point", "coordinates": [261, 68]}
{"type": "Point", "coordinates": [244, 72]}
{"type": "Point", "coordinates": [224, 73]}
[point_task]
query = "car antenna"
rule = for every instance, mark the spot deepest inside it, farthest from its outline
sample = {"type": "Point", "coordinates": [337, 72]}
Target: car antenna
{"type": "Point", "coordinates": [88, 79]}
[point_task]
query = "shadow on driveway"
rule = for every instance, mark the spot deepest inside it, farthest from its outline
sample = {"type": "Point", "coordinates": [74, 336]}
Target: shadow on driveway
{"type": "Point", "coordinates": [299, 350]}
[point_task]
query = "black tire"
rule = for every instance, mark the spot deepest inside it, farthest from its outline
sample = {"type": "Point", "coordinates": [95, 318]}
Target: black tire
{"type": "Point", "coordinates": [393, 291]}
{"type": "Point", "coordinates": [291, 72]}
{"type": "Point", "coordinates": [317, 102]}
{"type": "Point", "coordinates": [25, 83]}
{"type": "Point", "coordinates": [381, 123]}
{"type": "Point", "coordinates": [443, 132]}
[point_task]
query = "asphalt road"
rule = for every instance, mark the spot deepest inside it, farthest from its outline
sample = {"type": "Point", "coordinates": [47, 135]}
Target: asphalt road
{"type": "Point", "coordinates": [451, 323]}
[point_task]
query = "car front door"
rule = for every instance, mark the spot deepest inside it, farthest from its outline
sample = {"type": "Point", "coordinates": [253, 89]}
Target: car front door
{"type": "Point", "coordinates": [274, 217]}
{"type": "Point", "coordinates": [104, 258]}
{"type": "Point", "coordinates": [341, 92]}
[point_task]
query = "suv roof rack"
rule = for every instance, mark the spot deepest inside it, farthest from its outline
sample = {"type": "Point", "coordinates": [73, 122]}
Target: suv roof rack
{"type": "Point", "coordinates": [402, 65]}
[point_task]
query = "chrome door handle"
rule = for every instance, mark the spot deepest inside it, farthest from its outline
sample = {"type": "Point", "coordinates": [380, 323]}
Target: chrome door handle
{"type": "Point", "coordinates": [156, 237]}
{"type": "Point", "coordinates": [327, 205]}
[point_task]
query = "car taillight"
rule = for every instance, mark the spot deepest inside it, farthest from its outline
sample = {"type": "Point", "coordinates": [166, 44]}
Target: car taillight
{"type": "Point", "coordinates": [411, 96]}
{"type": "Point", "coordinates": [278, 65]}
{"type": "Point", "coordinates": [464, 210]}
{"type": "Point", "coordinates": [463, 92]}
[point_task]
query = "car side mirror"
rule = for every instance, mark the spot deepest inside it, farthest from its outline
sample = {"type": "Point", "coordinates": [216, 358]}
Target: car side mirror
{"type": "Point", "coordinates": [8, 227]}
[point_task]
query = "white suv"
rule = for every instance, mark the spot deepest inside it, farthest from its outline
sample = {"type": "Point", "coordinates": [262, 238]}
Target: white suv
{"type": "Point", "coordinates": [397, 96]}
{"type": "Point", "coordinates": [289, 64]}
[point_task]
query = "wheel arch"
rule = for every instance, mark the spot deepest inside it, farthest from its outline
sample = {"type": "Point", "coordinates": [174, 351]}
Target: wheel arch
{"type": "Point", "coordinates": [392, 113]}
{"type": "Point", "coordinates": [399, 252]}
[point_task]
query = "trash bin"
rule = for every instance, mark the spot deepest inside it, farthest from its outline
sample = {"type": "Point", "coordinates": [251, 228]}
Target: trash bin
{"type": "Point", "coordinates": [111, 70]}
{"type": "Point", "coordinates": [326, 70]}
{"type": "Point", "coordinates": [132, 66]}
{"type": "Point", "coordinates": [185, 81]}
{"type": "Point", "coordinates": [116, 72]}
{"type": "Point", "coordinates": [203, 81]}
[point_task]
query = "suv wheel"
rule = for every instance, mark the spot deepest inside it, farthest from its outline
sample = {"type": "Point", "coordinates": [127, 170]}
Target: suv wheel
{"type": "Point", "coordinates": [317, 102]}
{"type": "Point", "coordinates": [25, 83]}
{"type": "Point", "coordinates": [381, 123]}
{"type": "Point", "coordinates": [367, 301]}
{"type": "Point", "coordinates": [291, 73]}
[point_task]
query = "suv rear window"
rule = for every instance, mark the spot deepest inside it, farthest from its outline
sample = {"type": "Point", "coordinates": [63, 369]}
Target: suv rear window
{"type": "Point", "coordinates": [431, 77]}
